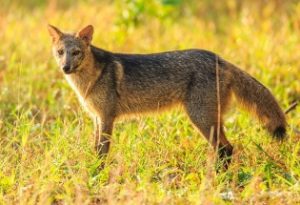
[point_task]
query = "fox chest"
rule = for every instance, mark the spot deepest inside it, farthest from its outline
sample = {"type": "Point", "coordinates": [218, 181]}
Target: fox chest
{"type": "Point", "coordinates": [87, 100]}
{"type": "Point", "coordinates": [89, 104]}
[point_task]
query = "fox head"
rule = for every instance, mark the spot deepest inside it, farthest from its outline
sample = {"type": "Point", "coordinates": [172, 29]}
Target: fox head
{"type": "Point", "coordinates": [70, 50]}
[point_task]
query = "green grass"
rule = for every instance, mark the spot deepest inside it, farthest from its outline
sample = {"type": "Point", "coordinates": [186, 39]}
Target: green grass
{"type": "Point", "coordinates": [46, 144]}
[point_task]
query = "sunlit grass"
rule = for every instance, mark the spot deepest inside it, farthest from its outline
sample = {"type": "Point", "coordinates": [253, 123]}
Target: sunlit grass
{"type": "Point", "coordinates": [46, 140]}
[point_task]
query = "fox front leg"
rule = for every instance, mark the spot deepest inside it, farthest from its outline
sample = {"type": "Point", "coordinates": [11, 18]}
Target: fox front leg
{"type": "Point", "coordinates": [96, 132]}
{"type": "Point", "coordinates": [103, 131]}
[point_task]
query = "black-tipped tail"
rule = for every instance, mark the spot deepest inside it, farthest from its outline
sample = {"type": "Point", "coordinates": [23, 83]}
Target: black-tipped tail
{"type": "Point", "coordinates": [279, 133]}
{"type": "Point", "coordinates": [257, 98]}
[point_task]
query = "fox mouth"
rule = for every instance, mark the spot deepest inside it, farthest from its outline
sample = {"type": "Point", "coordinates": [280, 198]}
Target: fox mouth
{"type": "Point", "coordinates": [68, 70]}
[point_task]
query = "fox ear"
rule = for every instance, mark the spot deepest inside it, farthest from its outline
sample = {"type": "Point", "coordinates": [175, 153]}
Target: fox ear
{"type": "Point", "coordinates": [86, 34]}
{"type": "Point", "coordinates": [54, 32]}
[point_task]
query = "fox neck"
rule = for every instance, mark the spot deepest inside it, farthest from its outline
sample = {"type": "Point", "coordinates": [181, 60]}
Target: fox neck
{"type": "Point", "coordinates": [83, 80]}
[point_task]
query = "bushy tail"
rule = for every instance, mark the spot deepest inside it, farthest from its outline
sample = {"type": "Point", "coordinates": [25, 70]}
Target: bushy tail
{"type": "Point", "coordinates": [256, 97]}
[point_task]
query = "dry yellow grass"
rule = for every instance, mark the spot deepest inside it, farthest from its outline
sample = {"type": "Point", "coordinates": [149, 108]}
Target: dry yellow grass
{"type": "Point", "coordinates": [46, 154]}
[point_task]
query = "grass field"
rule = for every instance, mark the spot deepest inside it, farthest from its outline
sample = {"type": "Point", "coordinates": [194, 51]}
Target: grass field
{"type": "Point", "coordinates": [46, 144]}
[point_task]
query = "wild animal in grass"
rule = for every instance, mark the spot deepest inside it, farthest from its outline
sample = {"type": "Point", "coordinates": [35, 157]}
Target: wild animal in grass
{"type": "Point", "coordinates": [110, 85]}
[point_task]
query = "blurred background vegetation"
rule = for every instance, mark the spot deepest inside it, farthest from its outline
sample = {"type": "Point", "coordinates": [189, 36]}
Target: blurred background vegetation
{"type": "Point", "coordinates": [46, 150]}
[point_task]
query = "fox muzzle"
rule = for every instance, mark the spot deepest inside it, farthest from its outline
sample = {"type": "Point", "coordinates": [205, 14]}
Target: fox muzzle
{"type": "Point", "coordinates": [67, 69]}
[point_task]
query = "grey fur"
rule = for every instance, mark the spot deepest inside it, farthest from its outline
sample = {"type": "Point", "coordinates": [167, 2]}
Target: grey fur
{"type": "Point", "coordinates": [110, 85]}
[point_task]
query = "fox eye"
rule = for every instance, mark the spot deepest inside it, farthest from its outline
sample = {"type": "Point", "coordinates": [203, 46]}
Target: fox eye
{"type": "Point", "coordinates": [75, 53]}
{"type": "Point", "coordinates": [60, 52]}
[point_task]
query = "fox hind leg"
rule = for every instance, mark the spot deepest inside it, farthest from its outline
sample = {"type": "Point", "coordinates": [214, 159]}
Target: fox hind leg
{"type": "Point", "coordinates": [203, 113]}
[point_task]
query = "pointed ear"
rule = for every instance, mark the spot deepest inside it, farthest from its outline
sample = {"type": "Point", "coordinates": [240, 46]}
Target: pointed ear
{"type": "Point", "coordinates": [54, 32]}
{"type": "Point", "coordinates": [86, 34]}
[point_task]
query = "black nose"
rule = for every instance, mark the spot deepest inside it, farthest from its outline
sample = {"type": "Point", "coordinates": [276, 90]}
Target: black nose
{"type": "Point", "coordinates": [66, 69]}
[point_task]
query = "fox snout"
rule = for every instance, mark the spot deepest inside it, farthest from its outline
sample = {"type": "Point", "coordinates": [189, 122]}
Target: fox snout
{"type": "Point", "coordinates": [69, 65]}
{"type": "Point", "coordinates": [67, 69]}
